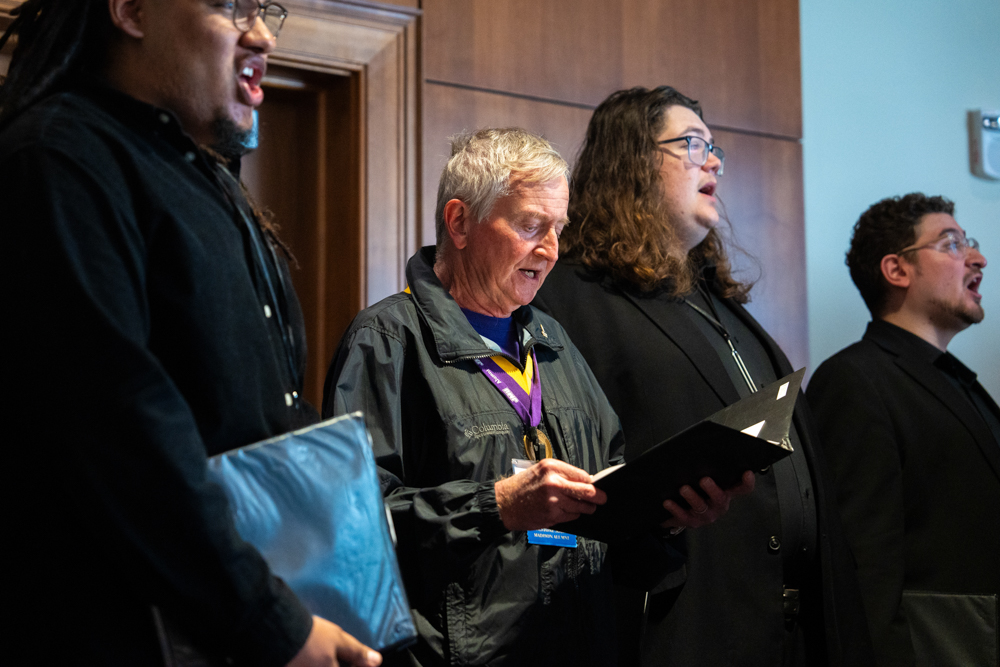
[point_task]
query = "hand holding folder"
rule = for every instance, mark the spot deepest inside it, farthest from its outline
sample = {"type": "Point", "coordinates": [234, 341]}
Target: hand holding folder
{"type": "Point", "coordinates": [706, 505]}
{"type": "Point", "coordinates": [751, 434]}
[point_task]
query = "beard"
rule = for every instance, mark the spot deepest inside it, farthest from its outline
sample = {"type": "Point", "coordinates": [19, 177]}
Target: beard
{"type": "Point", "coordinates": [956, 315]}
{"type": "Point", "coordinates": [230, 140]}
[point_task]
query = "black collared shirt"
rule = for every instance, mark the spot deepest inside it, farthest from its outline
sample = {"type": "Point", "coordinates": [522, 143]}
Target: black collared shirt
{"type": "Point", "coordinates": [958, 374]}
{"type": "Point", "coordinates": [144, 336]}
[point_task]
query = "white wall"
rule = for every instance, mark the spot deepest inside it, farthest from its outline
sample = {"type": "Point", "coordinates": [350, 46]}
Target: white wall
{"type": "Point", "coordinates": [885, 88]}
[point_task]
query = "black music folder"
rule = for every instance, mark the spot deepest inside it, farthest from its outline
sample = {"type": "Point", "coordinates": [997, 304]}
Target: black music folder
{"type": "Point", "coordinates": [750, 434]}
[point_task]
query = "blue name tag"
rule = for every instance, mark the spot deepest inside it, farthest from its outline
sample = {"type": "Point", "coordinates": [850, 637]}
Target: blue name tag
{"type": "Point", "coordinates": [552, 537]}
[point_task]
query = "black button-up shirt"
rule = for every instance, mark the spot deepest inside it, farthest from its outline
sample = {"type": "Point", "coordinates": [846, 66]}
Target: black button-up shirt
{"type": "Point", "coordinates": [962, 378]}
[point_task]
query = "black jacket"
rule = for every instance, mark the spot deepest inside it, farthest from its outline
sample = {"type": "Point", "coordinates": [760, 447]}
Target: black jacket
{"type": "Point", "coordinates": [918, 476]}
{"type": "Point", "coordinates": [662, 375]}
{"type": "Point", "coordinates": [138, 343]}
{"type": "Point", "coordinates": [443, 435]}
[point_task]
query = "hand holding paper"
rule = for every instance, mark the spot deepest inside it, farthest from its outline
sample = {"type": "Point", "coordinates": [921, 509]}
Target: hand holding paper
{"type": "Point", "coordinates": [547, 493]}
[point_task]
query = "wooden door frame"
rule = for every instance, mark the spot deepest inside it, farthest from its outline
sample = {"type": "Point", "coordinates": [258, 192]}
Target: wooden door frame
{"type": "Point", "coordinates": [379, 47]}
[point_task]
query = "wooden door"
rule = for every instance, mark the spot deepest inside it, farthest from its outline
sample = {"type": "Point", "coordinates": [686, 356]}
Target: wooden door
{"type": "Point", "coordinates": [307, 173]}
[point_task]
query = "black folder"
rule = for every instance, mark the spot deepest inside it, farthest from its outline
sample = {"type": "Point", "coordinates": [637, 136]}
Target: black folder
{"type": "Point", "coordinates": [750, 434]}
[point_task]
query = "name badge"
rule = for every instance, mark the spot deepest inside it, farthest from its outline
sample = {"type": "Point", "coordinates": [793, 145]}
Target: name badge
{"type": "Point", "coordinates": [552, 537]}
{"type": "Point", "coordinates": [547, 536]}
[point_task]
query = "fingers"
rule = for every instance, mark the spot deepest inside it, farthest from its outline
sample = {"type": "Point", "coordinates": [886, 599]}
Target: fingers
{"type": "Point", "coordinates": [570, 472]}
{"type": "Point", "coordinates": [328, 644]}
{"type": "Point", "coordinates": [547, 493]}
{"type": "Point", "coordinates": [587, 493]}
{"type": "Point", "coordinates": [746, 486]}
{"type": "Point", "coordinates": [568, 481]}
{"type": "Point", "coordinates": [698, 504]}
{"type": "Point", "coordinates": [352, 652]}
{"type": "Point", "coordinates": [678, 515]}
{"type": "Point", "coordinates": [703, 511]}
{"type": "Point", "coordinates": [575, 507]}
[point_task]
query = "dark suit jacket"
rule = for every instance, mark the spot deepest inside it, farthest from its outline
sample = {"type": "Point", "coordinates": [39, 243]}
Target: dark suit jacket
{"type": "Point", "coordinates": [918, 475]}
{"type": "Point", "coordinates": [662, 375]}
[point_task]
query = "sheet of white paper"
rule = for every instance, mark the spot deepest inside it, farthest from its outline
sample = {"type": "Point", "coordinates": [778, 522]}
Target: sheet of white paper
{"type": "Point", "coordinates": [755, 429]}
{"type": "Point", "coordinates": [607, 471]}
{"type": "Point", "coordinates": [782, 391]}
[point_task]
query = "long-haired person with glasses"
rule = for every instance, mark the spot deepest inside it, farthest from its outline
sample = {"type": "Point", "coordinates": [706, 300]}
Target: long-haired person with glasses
{"type": "Point", "coordinates": [645, 290]}
{"type": "Point", "coordinates": [914, 439]}
{"type": "Point", "coordinates": [154, 326]}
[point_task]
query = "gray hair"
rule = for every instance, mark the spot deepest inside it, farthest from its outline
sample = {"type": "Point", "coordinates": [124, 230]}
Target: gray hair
{"type": "Point", "coordinates": [484, 164]}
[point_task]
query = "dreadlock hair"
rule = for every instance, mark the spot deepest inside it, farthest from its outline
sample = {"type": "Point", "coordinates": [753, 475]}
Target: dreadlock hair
{"type": "Point", "coordinates": [619, 222]}
{"type": "Point", "coordinates": [260, 213]}
{"type": "Point", "coordinates": [55, 39]}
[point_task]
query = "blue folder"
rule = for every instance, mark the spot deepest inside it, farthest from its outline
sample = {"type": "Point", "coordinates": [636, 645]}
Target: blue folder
{"type": "Point", "coordinates": [310, 502]}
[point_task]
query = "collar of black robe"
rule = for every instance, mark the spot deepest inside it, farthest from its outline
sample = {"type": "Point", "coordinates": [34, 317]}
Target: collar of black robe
{"type": "Point", "coordinates": [716, 322]}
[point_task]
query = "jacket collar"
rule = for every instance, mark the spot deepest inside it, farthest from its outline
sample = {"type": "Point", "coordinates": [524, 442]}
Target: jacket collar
{"type": "Point", "coordinates": [670, 317]}
{"type": "Point", "coordinates": [454, 338]}
{"type": "Point", "coordinates": [917, 358]}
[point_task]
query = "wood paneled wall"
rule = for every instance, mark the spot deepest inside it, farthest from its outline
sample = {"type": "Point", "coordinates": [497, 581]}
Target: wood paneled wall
{"type": "Point", "coordinates": [545, 64]}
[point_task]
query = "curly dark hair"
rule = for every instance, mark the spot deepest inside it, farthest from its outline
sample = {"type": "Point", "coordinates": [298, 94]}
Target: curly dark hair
{"type": "Point", "coordinates": [885, 228]}
{"type": "Point", "coordinates": [55, 40]}
{"type": "Point", "coordinates": [620, 225]}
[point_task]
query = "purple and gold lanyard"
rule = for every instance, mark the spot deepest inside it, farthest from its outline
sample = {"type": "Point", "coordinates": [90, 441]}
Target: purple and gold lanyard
{"type": "Point", "coordinates": [524, 392]}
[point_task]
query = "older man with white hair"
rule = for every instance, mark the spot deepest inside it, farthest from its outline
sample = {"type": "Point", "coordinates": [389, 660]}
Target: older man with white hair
{"type": "Point", "coordinates": [463, 385]}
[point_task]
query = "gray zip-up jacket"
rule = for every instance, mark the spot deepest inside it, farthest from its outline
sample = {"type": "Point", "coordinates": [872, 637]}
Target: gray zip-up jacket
{"type": "Point", "coordinates": [443, 435]}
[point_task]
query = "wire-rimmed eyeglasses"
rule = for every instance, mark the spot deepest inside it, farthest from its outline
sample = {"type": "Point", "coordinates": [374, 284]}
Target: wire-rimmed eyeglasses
{"type": "Point", "coordinates": [699, 150]}
{"type": "Point", "coordinates": [952, 243]}
{"type": "Point", "coordinates": [246, 13]}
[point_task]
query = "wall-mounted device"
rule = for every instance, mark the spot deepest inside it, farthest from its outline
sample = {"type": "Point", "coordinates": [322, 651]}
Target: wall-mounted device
{"type": "Point", "coordinates": [984, 143]}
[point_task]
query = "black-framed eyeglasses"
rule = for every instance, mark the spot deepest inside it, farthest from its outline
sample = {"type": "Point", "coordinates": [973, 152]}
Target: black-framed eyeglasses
{"type": "Point", "coordinates": [246, 13]}
{"type": "Point", "coordinates": [952, 243]}
{"type": "Point", "coordinates": [699, 150]}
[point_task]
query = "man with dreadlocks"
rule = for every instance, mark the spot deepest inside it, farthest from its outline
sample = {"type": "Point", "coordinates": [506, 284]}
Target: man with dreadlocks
{"type": "Point", "coordinates": [150, 294]}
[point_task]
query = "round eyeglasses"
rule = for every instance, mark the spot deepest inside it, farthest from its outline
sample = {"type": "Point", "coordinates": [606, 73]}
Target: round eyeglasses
{"type": "Point", "coordinates": [246, 13]}
{"type": "Point", "coordinates": [698, 151]}
{"type": "Point", "coordinates": [952, 243]}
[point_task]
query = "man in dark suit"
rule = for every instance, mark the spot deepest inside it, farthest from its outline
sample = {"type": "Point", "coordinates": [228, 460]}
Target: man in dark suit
{"type": "Point", "coordinates": [646, 293]}
{"type": "Point", "coordinates": [914, 440]}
